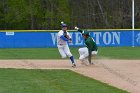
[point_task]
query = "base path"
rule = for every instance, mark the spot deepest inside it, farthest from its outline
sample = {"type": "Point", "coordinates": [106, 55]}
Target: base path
{"type": "Point", "coordinates": [123, 74]}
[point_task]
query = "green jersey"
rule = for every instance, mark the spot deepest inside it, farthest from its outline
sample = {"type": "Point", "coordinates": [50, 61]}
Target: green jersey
{"type": "Point", "coordinates": [90, 43]}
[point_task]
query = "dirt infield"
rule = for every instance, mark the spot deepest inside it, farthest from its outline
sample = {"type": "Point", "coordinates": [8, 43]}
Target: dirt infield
{"type": "Point", "coordinates": [123, 74]}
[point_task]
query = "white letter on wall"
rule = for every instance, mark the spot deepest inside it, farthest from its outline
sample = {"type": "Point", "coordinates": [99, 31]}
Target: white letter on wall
{"type": "Point", "coordinates": [116, 36]}
{"type": "Point", "coordinates": [105, 36]}
{"type": "Point", "coordinates": [54, 38]}
{"type": "Point", "coordinates": [78, 39]}
{"type": "Point", "coordinates": [97, 35]}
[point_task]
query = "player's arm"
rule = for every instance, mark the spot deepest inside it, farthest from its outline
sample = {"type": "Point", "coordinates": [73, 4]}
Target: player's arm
{"type": "Point", "coordinates": [64, 38]}
{"type": "Point", "coordinates": [89, 46]}
{"type": "Point", "coordinates": [79, 30]}
{"type": "Point", "coordinates": [60, 34]}
{"type": "Point", "coordinates": [69, 37]}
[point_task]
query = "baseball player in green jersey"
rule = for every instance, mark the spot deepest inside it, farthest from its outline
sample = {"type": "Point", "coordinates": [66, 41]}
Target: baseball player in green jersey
{"type": "Point", "coordinates": [91, 48]}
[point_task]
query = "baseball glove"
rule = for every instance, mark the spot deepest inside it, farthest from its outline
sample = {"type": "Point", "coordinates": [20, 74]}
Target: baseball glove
{"type": "Point", "coordinates": [70, 40]}
{"type": "Point", "coordinates": [67, 36]}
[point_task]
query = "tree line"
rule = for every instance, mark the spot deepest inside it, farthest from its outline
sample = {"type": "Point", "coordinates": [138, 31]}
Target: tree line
{"type": "Point", "coordinates": [87, 14]}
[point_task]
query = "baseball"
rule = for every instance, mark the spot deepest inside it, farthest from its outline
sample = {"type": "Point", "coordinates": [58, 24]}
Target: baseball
{"type": "Point", "coordinates": [62, 22]}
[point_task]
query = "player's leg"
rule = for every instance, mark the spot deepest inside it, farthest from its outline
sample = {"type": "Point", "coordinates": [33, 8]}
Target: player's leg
{"type": "Point", "coordinates": [67, 51]}
{"type": "Point", "coordinates": [94, 53]}
{"type": "Point", "coordinates": [61, 51]}
{"type": "Point", "coordinates": [83, 55]}
{"type": "Point", "coordinates": [83, 52]}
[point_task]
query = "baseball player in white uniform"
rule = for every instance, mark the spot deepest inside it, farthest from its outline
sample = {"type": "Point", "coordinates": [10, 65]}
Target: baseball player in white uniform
{"type": "Point", "coordinates": [63, 38]}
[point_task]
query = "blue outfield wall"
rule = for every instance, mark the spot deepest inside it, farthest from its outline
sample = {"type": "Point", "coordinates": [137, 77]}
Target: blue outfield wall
{"type": "Point", "coordinates": [49, 39]}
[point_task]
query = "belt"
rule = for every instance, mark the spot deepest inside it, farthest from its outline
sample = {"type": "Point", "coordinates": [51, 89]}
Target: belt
{"type": "Point", "coordinates": [61, 44]}
{"type": "Point", "coordinates": [95, 50]}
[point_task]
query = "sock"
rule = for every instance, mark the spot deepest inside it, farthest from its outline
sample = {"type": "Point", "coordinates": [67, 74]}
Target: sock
{"type": "Point", "coordinates": [72, 59]}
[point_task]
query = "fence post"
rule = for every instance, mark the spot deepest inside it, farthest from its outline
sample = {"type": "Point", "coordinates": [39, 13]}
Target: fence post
{"type": "Point", "coordinates": [133, 24]}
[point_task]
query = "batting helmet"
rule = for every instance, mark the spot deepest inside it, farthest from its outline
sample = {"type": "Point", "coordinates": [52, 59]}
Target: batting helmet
{"type": "Point", "coordinates": [63, 25]}
{"type": "Point", "coordinates": [85, 33]}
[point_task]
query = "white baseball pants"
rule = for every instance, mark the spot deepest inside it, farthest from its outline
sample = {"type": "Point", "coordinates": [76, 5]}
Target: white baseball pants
{"type": "Point", "coordinates": [84, 53]}
{"type": "Point", "coordinates": [64, 51]}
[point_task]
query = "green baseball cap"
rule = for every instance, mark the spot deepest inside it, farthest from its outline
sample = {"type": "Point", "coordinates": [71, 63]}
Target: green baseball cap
{"type": "Point", "coordinates": [85, 33]}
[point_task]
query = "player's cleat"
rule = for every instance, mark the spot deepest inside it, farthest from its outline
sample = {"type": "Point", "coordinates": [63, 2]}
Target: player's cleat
{"type": "Point", "coordinates": [85, 63]}
{"type": "Point", "coordinates": [74, 65]}
{"type": "Point", "coordinates": [91, 63]}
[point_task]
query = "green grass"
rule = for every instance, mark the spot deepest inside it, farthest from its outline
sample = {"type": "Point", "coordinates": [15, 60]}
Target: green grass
{"type": "Point", "coordinates": [56, 81]}
{"type": "Point", "coordinates": [120, 52]}
{"type": "Point", "coordinates": [50, 81]}
{"type": "Point", "coordinates": [52, 53]}
{"type": "Point", "coordinates": [29, 53]}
